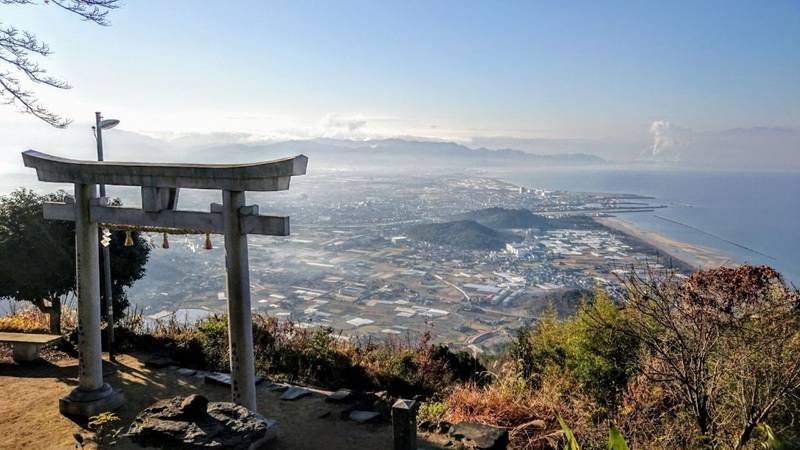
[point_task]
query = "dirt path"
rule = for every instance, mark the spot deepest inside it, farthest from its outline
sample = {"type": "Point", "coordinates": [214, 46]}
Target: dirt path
{"type": "Point", "coordinates": [29, 416]}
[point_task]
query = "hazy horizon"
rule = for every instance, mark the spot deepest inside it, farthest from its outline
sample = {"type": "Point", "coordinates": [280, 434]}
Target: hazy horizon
{"type": "Point", "coordinates": [710, 86]}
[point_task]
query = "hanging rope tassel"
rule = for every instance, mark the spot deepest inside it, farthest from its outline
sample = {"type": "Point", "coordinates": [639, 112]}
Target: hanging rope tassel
{"type": "Point", "coordinates": [128, 239]}
{"type": "Point", "coordinates": [165, 241]}
{"type": "Point", "coordinates": [207, 244]}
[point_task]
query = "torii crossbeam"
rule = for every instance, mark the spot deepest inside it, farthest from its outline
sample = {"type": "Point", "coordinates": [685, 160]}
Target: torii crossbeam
{"type": "Point", "coordinates": [160, 184]}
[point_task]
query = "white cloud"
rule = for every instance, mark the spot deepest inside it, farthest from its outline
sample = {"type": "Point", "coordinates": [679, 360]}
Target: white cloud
{"type": "Point", "coordinates": [335, 125]}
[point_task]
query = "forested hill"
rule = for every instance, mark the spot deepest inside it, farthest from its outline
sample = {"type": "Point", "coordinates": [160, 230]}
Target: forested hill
{"type": "Point", "coordinates": [503, 218]}
{"type": "Point", "coordinates": [466, 234]}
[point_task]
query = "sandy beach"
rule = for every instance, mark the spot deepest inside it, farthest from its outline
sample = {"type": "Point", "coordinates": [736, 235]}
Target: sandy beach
{"type": "Point", "coordinates": [695, 256]}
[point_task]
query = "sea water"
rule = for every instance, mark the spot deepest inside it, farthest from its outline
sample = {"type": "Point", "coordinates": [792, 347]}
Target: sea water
{"type": "Point", "coordinates": [751, 217]}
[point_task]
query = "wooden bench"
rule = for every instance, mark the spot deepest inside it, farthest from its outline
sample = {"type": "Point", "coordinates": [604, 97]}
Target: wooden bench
{"type": "Point", "coordinates": [26, 345]}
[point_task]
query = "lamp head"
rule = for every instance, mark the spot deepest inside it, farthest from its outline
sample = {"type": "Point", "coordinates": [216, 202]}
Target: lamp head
{"type": "Point", "coordinates": [108, 123]}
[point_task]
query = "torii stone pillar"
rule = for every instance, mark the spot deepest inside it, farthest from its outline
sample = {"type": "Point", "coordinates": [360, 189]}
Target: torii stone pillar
{"type": "Point", "coordinates": [237, 288]}
{"type": "Point", "coordinates": [160, 184]}
{"type": "Point", "coordinates": [92, 396]}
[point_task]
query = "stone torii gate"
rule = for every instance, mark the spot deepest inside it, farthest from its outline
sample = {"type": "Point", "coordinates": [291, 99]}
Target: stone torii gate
{"type": "Point", "coordinates": [160, 184]}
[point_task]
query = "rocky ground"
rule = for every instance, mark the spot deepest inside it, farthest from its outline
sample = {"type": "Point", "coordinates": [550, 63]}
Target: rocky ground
{"type": "Point", "coordinates": [29, 416]}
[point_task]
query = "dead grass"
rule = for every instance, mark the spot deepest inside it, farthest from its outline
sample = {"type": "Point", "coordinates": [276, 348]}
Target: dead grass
{"type": "Point", "coordinates": [529, 414]}
{"type": "Point", "coordinates": [29, 319]}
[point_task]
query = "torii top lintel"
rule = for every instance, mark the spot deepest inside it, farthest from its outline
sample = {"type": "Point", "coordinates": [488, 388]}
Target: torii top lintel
{"type": "Point", "coordinates": [259, 176]}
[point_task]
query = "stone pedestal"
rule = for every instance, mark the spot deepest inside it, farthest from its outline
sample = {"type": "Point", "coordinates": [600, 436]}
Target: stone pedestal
{"type": "Point", "coordinates": [404, 425]}
{"type": "Point", "coordinates": [26, 352]}
{"type": "Point", "coordinates": [91, 403]}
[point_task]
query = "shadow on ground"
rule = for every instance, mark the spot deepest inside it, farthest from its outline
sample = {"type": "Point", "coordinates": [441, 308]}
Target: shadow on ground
{"type": "Point", "coordinates": [30, 418]}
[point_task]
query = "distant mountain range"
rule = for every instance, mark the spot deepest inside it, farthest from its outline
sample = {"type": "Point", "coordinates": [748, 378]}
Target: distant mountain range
{"type": "Point", "coordinates": [324, 153]}
{"type": "Point", "coordinates": [466, 234]}
{"type": "Point", "coordinates": [391, 153]}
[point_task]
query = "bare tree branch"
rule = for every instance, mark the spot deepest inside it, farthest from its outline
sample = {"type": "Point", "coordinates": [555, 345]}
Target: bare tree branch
{"type": "Point", "coordinates": [725, 342]}
{"type": "Point", "coordinates": [18, 46]}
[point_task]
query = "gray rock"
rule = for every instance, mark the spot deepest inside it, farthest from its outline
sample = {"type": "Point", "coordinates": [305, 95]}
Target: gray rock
{"type": "Point", "coordinates": [295, 392]}
{"type": "Point", "coordinates": [363, 416]}
{"type": "Point", "coordinates": [278, 387]}
{"type": "Point", "coordinates": [186, 372]}
{"type": "Point", "coordinates": [479, 436]}
{"type": "Point", "coordinates": [194, 406]}
{"type": "Point", "coordinates": [340, 396]}
{"type": "Point", "coordinates": [224, 379]}
{"type": "Point", "coordinates": [166, 424]}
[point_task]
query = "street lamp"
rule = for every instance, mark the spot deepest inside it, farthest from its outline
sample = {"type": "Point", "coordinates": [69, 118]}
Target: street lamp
{"type": "Point", "coordinates": [100, 125]}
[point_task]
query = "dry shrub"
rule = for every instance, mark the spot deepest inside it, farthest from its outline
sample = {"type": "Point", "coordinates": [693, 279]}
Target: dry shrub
{"type": "Point", "coordinates": [31, 320]}
{"type": "Point", "coordinates": [25, 320]}
{"type": "Point", "coordinates": [529, 413]}
{"type": "Point", "coordinates": [315, 355]}
{"type": "Point", "coordinates": [28, 320]}
{"type": "Point", "coordinates": [651, 418]}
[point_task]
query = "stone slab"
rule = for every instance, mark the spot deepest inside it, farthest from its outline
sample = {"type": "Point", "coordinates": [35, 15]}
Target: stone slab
{"type": "Point", "coordinates": [294, 393]}
{"type": "Point", "coordinates": [184, 372]}
{"type": "Point", "coordinates": [29, 338]}
{"type": "Point", "coordinates": [479, 436]}
{"type": "Point", "coordinates": [224, 379]}
{"type": "Point", "coordinates": [364, 416]}
{"type": "Point", "coordinates": [340, 396]}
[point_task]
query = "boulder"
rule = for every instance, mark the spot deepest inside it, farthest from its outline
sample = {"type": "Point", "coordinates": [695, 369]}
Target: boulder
{"type": "Point", "coordinates": [340, 396]}
{"type": "Point", "coordinates": [194, 406]}
{"type": "Point", "coordinates": [193, 423]}
{"type": "Point", "coordinates": [479, 436]}
{"type": "Point", "coordinates": [295, 392]}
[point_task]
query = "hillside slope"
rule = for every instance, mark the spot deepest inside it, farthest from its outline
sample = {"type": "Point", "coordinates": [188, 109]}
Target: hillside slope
{"type": "Point", "coordinates": [504, 218]}
{"type": "Point", "coordinates": [466, 234]}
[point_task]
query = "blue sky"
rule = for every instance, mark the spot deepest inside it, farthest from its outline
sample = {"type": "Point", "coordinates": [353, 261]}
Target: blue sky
{"type": "Point", "coordinates": [602, 71]}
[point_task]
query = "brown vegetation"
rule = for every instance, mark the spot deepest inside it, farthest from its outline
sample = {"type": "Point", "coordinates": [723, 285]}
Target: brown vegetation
{"type": "Point", "coordinates": [710, 361]}
{"type": "Point", "coordinates": [284, 350]}
{"type": "Point", "coordinates": [703, 362]}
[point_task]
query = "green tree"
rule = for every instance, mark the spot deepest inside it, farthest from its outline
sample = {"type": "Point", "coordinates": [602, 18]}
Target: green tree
{"type": "Point", "coordinates": [37, 256]}
{"type": "Point", "coordinates": [591, 348]}
{"type": "Point", "coordinates": [602, 356]}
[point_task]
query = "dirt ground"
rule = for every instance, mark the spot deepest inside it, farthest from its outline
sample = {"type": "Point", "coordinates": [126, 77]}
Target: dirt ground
{"type": "Point", "coordinates": [29, 416]}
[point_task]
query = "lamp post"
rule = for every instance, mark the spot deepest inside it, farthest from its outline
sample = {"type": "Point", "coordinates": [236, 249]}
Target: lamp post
{"type": "Point", "coordinates": [101, 125]}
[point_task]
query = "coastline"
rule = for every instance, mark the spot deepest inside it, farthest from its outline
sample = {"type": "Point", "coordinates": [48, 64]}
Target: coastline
{"type": "Point", "coordinates": [693, 256]}
{"type": "Point", "coordinates": [690, 257]}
